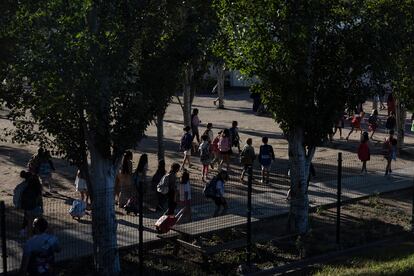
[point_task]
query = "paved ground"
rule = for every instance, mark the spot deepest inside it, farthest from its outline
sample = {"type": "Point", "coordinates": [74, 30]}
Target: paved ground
{"type": "Point", "coordinates": [267, 200]}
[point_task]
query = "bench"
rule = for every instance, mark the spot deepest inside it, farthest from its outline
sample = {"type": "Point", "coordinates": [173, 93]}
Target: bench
{"type": "Point", "coordinates": [209, 226]}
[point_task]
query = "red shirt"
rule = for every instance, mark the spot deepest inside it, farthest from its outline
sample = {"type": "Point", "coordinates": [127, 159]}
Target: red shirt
{"type": "Point", "coordinates": [363, 152]}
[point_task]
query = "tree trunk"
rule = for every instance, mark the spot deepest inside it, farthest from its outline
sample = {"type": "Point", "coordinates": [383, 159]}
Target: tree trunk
{"type": "Point", "coordinates": [300, 159]}
{"type": "Point", "coordinates": [188, 77]}
{"type": "Point", "coordinates": [401, 116]}
{"type": "Point", "coordinates": [104, 226]}
{"type": "Point", "coordinates": [220, 85]}
{"type": "Point", "coordinates": [160, 135]}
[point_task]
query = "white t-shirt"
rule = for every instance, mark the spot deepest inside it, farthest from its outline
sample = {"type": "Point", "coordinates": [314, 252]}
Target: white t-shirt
{"type": "Point", "coordinates": [183, 188]}
{"type": "Point", "coordinates": [220, 188]}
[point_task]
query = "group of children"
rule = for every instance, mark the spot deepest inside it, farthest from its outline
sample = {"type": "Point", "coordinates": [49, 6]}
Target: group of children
{"type": "Point", "coordinates": [217, 150]}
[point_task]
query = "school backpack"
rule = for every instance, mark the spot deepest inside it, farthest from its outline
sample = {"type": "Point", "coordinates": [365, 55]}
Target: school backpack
{"type": "Point", "coordinates": [186, 141]}
{"type": "Point", "coordinates": [44, 169]}
{"type": "Point", "coordinates": [265, 157]}
{"type": "Point", "coordinates": [204, 153]}
{"type": "Point", "coordinates": [17, 194]}
{"type": "Point", "coordinates": [78, 208]}
{"type": "Point", "coordinates": [162, 187]}
{"type": "Point", "coordinates": [210, 188]}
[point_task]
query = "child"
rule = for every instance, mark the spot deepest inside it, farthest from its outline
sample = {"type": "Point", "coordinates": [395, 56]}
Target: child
{"type": "Point", "coordinates": [339, 125]}
{"type": "Point", "coordinates": [81, 187]}
{"type": "Point", "coordinates": [266, 156]}
{"type": "Point", "coordinates": [185, 146]}
{"type": "Point", "coordinates": [390, 151]}
{"type": "Point", "coordinates": [185, 196]}
{"type": "Point", "coordinates": [373, 122]}
{"type": "Point", "coordinates": [356, 123]}
{"type": "Point", "coordinates": [234, 134]}
{"type": "Point", "coordinates": [219, 199]}
{"type": "Point", "coordinates": [215, 150]}
{"type": "Point", "coordinates": [195, 122]}
{"type": "Point", "coordinates": [204, 149]}
{"type": "Point", "coordinates": [209, 132]}
{"type": "Point", "coordinates": [363, 152]}
{"type": "Point", "coordinates": [224, 146]}
{"type": "Point", "coordinates": [391, 122]}
{"type": "Point", "coordinates": [247, 157]}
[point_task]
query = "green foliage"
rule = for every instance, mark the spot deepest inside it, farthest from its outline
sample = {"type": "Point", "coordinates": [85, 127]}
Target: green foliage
{"type": "Point", "coordinates": [391, 29]}
{"type": "Point", "coordinates": [91, 75]}
{"type": "Point", "coordinates": [308, 56]}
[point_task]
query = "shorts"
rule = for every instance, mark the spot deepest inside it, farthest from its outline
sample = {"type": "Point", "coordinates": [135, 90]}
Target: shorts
{"type": "Point", "coordinates": [220, 201]}
{"type": "Point", "coordinates": [187, 152]}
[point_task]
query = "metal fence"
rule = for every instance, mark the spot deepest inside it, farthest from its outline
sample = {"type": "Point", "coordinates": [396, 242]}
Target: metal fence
{"type": "Point", "coordinates": [256, 212]}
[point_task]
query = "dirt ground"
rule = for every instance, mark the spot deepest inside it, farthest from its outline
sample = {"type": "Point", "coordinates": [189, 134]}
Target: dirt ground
{"type": "Point", "coordinates": [14, 157]}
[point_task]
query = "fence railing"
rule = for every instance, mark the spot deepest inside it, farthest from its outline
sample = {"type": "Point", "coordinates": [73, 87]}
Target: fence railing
{"type": "Point", "coordinates": [337, 180]}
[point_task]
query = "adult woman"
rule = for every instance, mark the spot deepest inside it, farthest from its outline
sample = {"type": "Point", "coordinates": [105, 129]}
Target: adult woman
{"type": "Point", "coordinates": [140, 174]}
{"type": "Point", "coordinates": [161, 171]}
{"type": "Point", "coordinates": [224, 146]}
{"type": "Point", "coordinates": [172, 188]}
{"type": "Point", "coordinates": [123, 186]}
{"type": "Point", "coordinates": [31, 200]}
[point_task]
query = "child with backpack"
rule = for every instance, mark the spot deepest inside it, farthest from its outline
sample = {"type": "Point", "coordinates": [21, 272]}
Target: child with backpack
{"type": "Point", "coordinates": [185, 197]}
{"type": "Point", "coordinates": [234, 134]}
{"type": "Point", "coordinates": [266, 156]}
{"type": "Point", "coordinates": [224, 146]}
{"type": "Point", "coordinates": [247, 157]}
{"type": "Point", "coordinates": [31, 201]}
{"type": "Point", "coordinates": [390, 151]}
{"type": "Point", "coordinates": [204, 149]}
{"type": "Point", "coordinates": [219, 198]}
{"type": "Point", "coordinates": [186, 145]}
{"type": "Point", "coordinates": [209, 132]}
{"type": "Point", "coordinates": [215, 150]}
{"type": "Point", "coordinates": [364, 152]}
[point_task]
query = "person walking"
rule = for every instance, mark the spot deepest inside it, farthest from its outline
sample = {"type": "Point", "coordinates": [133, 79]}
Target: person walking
{"type": "Point", "coordinates": [186, 145]}
{"type": "Point", "coordinates": [266, 156]}
{"type": "Point", "coordinates": [81, 186]}
{"type": "Point", "coordinates": [204, 150]}
{"type": "Point", "coordinates": [224, 146]}
{"type": "Point", "coordinates": [247, 157]}
{"type": "Point", "coordinates": [373, 122]}
{"type": "Point", "coordinates": [209, 132]}
{"type": "Point", "coordinates": [356, 123]}
{"type": "Point", "coordinates": [45, 169]}
{"type": "Point", "coordinates": [215, 150]}
{"type": "Point", "coordinates": [390, 104]}
{"type": "Point", "coordinates": [31, 201]}
{"type": "Point", "coordinates": [185, 197]}
{"type": "Point", "coordinates": [195, 122]}
{"type": "Point", "coordinates": [364, 152]}
{"type": "Point", "coordinates": [234, 134]}
{"type": "Point", "coordinates": [124, 188]}
{"type": "Point", "coordinates": [219, 199]}
{"type": "Point", "coordinates": [39, 251]}
{"type": "Point", "coordinates": [156, 178]}
{"type": "Point", "coordinates": [391, 122]}
{"type": "Point", "coordinates": [390, 151]}
{"type": "Point", "coordinates": [339, 125]}
{"type": "Point", "coordinates": [172, 189]}
{"type": "Point", "coordinates": [140, 175]}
